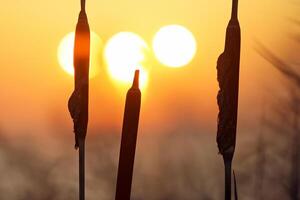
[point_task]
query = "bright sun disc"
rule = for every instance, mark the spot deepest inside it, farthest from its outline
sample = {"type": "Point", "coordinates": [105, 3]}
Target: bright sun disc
{"type": "Point", "coordinates": [124, 53]}
{"type": "Point", "coordinates": [174, 46]}
{"type": "Point", "coordinates": [65, 54]}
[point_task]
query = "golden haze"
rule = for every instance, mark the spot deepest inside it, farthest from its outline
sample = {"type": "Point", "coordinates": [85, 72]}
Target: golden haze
{"type": "Point", "coordinates": [31, 76]}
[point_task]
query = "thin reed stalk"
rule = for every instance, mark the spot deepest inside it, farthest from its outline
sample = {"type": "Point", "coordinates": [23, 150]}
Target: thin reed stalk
{"type": "Point", "coordinates": [81, 170]}
{"type": "Point", "coordinates": [228, 170]}
{"type": "Point", "coordinates": [235, 187]}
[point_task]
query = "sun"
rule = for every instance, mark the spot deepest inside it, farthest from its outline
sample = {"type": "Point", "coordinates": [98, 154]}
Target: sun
{"type": "Point", "coordinates": [65, 54]}
{"type": "Point", "coordinates": [174, 46]}
{"type": "Point", "coordinates": [123, 54]}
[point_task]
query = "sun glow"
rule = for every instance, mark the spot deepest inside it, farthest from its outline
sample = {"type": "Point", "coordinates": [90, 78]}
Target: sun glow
{"type": "Point", "coordinates": [174, 46]}
{"type": "Point", "coordinates": [65, 54]}
{"type": "Point", "coordinates": [124, 53]}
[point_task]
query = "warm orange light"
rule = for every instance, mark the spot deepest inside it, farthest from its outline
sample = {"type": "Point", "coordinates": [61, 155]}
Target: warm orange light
{"type": "Point", "coordinates": [65, 53]}
{"type": "Point", "coordinates": [124, 53]}
{"type": "Point", "coordinates": [174, 46]}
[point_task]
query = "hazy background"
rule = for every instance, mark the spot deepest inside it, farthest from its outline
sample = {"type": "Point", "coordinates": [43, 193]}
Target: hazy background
{"type": "Point", "coordinates": [177, 156]}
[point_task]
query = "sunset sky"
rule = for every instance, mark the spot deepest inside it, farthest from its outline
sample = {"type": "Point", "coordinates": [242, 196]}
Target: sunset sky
{"type": "Point", "coordinates": [35, 90]}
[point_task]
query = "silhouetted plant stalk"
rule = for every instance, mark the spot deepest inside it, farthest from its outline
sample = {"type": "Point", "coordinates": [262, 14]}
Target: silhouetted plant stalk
{"type": "Point", "coordinates": [78, 102]}
{"type": "Point", "coordinates": [128, 141]}
{"type": "Point", "coordinates": [228, 77]}
{"type": "Point", "coordinates": [235, 187]}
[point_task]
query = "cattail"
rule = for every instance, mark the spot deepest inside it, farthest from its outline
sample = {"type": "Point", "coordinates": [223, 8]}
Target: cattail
{"type": "Point", "coordinates": [228, 78]}
{"type": "Point", "coordinates": [78, 102]}
{"type": "Point", "coordinates": [128, 141]}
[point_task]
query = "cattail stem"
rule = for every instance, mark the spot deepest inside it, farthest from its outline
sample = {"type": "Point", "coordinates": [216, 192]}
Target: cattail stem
{"type": "Point", "coordinates": [234, 11]}
{"type": "Point", "coordinates": [81, 170]}
{"type": "Point", "coordinates": [227, 164]}
{"type": "Point", "coordinates": [82, 2]}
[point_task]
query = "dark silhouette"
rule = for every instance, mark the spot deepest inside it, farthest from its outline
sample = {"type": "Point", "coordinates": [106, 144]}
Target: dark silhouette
{"type": "Point", "coordinates": [128, 142]}
{"type": "Point", "coordinates": [235, 187]}
{"type": "Point", "coordinates": [228, 78]}
{"type": "Point", "coordinates": [78, 102]}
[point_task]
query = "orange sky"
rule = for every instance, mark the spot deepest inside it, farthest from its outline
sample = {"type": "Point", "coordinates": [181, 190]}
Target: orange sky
{"type": "Point", "coordinates": [34, 89]}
